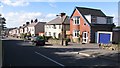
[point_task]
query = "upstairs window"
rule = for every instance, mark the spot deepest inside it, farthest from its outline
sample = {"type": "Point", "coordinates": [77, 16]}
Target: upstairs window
{"type": "Point", "coordinates": [49, 26]}
{"type": "Point", "coordinates": [94, 19]}
{"type": "Point", "coordinates": [109, 20]}
{"type": "Point", "coordinates": [54, 26]}
{"type": "Point", "coordinates": [59, 26]}
{"type": "Point", "coordinates": [76, 20]}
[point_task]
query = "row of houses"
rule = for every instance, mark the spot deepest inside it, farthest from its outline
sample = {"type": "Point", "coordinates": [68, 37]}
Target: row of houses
{"type": "Point", "coordinates": [33, 27]}
{"type": "Point", "coordinates": [86, 25]}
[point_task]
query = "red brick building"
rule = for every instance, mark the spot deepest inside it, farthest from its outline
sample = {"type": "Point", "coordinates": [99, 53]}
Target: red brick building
{"type": "Point", "coordinates": [85, 22]}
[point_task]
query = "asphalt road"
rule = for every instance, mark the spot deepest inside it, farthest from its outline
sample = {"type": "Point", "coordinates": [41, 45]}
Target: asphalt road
{"type": "Point", "coordinates": [19, 53]}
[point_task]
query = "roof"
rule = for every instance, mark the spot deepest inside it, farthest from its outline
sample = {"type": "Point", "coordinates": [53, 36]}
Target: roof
{"type": "Point", "coordinates": [58, 20]}
{"type": "Point", "coordinates": [34, 24]}
{"type": "Point", "coordinates": [91, 11]}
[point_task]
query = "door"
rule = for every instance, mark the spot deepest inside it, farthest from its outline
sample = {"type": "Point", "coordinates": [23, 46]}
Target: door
{"type": "Point", "coordinates": [84, 37]}
{"type": "Point", "coordinates": [104, 38]}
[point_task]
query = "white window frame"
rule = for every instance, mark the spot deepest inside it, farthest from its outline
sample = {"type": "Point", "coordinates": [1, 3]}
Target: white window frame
{"type": "Point", "coordinates": [75, 20]}
{"type": "Point", "coordinates": [75, 32]}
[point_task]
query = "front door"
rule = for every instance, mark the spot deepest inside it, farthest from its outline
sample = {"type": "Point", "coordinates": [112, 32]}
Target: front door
{"type": "Point", "coordinates": [84, 37]}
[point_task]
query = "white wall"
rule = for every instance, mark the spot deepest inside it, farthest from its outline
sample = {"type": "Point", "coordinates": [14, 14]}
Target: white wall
{"type": "Point", "coordinates": [25, 30]}
{"type": "Point", "coordinates": [52, 30]}
{"type": "Point", "coordinates": [88, 17]}
{"type": "Point", "coordinates": [31, 30]}
{"type": "Point", "coordinates": [101, 20]}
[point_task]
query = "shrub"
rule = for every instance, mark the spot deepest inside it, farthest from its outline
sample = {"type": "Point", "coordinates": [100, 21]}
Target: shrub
{"type": "Point", "coordinates": [67, 39]}
{"type": "Point", "coordinates": [48, 37]}
{"type": "Point", "coordinates": [22, 35]}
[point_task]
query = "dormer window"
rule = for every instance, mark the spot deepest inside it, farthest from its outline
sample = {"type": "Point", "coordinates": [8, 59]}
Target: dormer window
{"type": "Point", "coordinates": [76, 20]}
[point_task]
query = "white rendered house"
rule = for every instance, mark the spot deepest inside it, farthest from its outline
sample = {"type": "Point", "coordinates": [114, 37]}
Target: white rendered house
{"type": "Point", "coordinates": [54, 27]}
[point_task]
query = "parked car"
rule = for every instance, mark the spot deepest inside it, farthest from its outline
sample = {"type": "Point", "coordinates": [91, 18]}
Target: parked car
{"type": "Point", "coordinates": [38, 41]}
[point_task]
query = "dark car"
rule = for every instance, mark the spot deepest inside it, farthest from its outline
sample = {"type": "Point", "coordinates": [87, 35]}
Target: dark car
{"type": "Point", "coordinates": [37, 41]}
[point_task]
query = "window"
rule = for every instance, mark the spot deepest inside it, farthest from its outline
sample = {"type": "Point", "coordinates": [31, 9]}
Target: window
{"type": "Point", "coordinates": [76, 33]}
{"type": "Point", "coordinates": [59, 26]}
{"type": "Point", "coordinates": [32, 29]}
{"type": "Point", "coordinates": [109, 20]}
{"type": "Point", "coordinates": [49, 26]}
{"type": "Point", "coordinates": [49, 33]}
{"type": "Point", "coordinates": [76, 20]}
{"type": "Point", "coordinates": [54, 34]}
{"type": "Point", "coordinates": [45, 33]}
{"type": "Point", "coordinates": [54, 26]}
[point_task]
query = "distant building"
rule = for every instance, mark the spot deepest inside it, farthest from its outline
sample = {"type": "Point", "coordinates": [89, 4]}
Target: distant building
{"type": "Point", "coordinates": [36, 27]}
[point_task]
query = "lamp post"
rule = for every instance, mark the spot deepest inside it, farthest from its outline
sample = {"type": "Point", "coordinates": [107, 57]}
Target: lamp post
{"type": "Point", "coordinates": [62, 23]}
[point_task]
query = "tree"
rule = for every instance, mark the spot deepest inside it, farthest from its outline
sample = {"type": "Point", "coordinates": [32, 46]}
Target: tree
{"type": "Point", "coordinates": [2, 25]}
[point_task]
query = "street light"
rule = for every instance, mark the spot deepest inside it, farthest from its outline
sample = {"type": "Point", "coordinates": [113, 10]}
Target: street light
{"type": "Point", "coordinates": [62, 23]}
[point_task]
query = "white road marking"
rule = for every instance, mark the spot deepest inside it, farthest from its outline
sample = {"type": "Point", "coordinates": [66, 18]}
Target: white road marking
{"type": "Point", "coordinates": [85, 54]}
{"type": "Point", "coordinates": [66, 53]}
{"type": "Point", "coordinates": [49, 59]}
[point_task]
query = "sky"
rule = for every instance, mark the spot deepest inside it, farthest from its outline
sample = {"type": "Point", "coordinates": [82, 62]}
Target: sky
{"type": "Point", "coordinates": [17, 12]}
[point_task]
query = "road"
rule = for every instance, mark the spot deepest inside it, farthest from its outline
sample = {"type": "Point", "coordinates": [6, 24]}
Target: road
{"type": "Point", "coordinates": [20, 53]}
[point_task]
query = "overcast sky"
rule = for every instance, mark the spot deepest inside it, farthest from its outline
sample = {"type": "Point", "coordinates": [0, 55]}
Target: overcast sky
{"type": "Point", "coordinates": [17, 12]}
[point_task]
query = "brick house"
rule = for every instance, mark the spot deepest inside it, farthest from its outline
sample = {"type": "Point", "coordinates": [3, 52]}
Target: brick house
{"type": "Point", "coordinates": [85, 22]}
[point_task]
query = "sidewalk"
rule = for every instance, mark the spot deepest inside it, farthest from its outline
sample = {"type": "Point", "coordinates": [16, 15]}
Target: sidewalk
{"type": "Point", "coordinates": [91, 50]}
{"type": "Point", "coordinates": [13, 38]}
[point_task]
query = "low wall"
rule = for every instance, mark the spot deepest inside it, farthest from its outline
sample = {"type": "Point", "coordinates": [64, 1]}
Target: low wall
{"type": "Point", "coordinates": [57, 42]}
{"type": "Point", "coordinates": [109, 46]}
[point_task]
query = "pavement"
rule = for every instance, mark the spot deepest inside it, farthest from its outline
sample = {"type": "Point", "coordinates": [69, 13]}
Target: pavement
{"type": "Point", "coordinates": [91, 50]}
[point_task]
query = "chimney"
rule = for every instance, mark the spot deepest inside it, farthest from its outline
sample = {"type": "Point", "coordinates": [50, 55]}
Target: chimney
{"type": "Point", "coordinates": [27, 23]}
{"type": "Point", "coordinates": [63, 14]}
{"type": "Point", "coordinates": [20, 27]}
{"type": "Point", "coordinates": [36, 20]}
{"type": "Point", "coordinates": [23, 24]}
{"type": "Point", "coordinates": [31, 21]}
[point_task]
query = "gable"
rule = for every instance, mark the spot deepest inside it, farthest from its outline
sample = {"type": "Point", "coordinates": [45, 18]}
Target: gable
{"type": "Point", "coordinates": [77, 13]}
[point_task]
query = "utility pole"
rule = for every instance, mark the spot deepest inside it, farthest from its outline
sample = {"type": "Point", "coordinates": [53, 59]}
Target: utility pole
{"type": "Point", "coordinates": [62, 23]}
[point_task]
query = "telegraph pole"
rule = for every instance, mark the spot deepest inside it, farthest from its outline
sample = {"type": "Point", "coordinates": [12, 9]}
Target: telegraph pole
{"type": "Point", "coordinates": [62, 23]}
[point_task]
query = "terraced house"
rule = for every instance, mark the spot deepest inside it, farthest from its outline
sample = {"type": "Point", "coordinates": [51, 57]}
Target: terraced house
{"type": "Point", "coordinates": [36, 27]}
{"type": "Point", "coordinates": [86, 22]}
